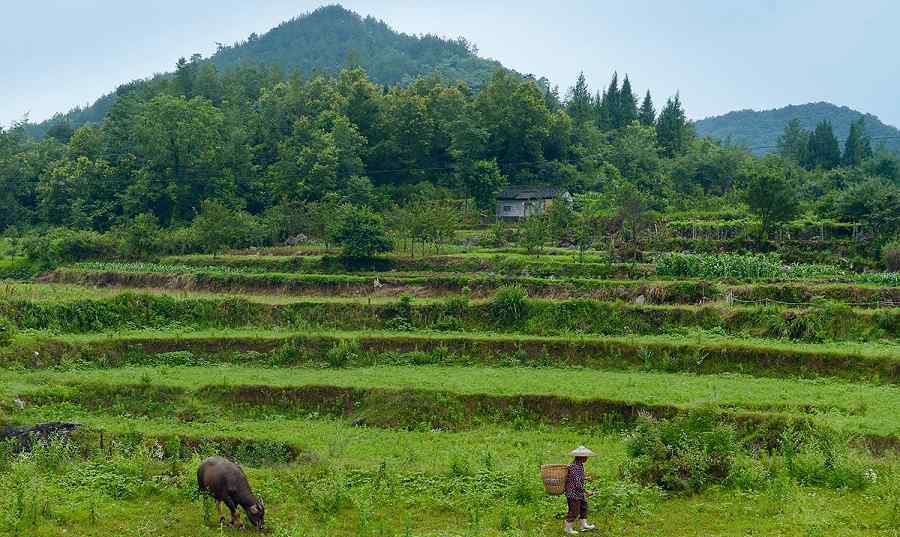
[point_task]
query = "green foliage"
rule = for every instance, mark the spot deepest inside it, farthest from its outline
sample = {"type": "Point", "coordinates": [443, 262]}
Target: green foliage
{"type": "Point", "coordinates": [509, 305]}
{"type": "Point", "coordinates": [360, 233]}
{"type": "Point", "coordinates": [62, 245]}
{"type": "Point", "coordinates": [890, 256]}
{"type": "Point", "coordinates": [342, 354]}
{"type": "Point", "coordinates": [673, 131]}
{"type": "Point", "coordinates": [683, 454]}
{"type": "Point", "coordinates": [7, 331]}
{"type": "Point", "coordinates": [772, 196]}
{"type": "Point", "coordinates": [533, 233]}
{"type": "Point", "coordinates": [744, 266]}
{"type": "Point", "coordinates": [759, 130]}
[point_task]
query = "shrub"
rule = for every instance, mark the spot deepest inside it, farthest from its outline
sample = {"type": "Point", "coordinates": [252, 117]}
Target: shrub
{"type": "Point", "coordinates": [360, 233]}
{"type": "Point", "coordinates": [533, 232]}
{"type": "Point", "coordinates": [686, 453]}
{"type": "Point", "coordinates": [509, 305]}
{"type": "Point", "coordinates": [7, 331]}
{"type": "Point", "coordinates": [342, 354]}
{"type": "Point", "coordinates": [821, 457]}
{"type": "Point", "coordinates": [743, 266]}
{"type": "Point", "coordinates": [61, 245]}
{"type": "Point", "coordinates": [890, 254]}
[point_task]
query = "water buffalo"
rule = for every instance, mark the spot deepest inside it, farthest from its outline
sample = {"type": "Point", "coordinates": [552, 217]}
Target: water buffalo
{"type": "Point", "coordinates": [226, 482]}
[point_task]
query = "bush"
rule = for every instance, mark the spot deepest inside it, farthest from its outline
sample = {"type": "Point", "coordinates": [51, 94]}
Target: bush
{"type": "Point", "coordinates": [890, 254]}
{"type": "Point", "coordinates": [61, 245]}
{"type": "Point", "coordinates": [360, 233]}
{"type": "Point", "coordinates": [7, 331]}
{"type": "Point", "coordinates": [683, 454]}
{"type": "Point", "coordinates": [509, 305]}
{"type": "Point", "coordinates": [342, 354]}
{"type": "Point", "coordinates": [719, 266]}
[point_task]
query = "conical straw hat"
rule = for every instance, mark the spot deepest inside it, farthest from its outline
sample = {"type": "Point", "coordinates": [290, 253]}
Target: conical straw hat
{"type": "Point", "coordinates": [581, 451]}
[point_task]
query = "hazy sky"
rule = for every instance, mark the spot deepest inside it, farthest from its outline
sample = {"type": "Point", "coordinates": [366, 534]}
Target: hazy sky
{"type": "Point", "coordinates": [721, 55]}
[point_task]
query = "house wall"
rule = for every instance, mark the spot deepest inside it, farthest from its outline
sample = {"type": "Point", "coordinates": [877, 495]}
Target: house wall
{"type": "Point", "coordinates": [516, 209]}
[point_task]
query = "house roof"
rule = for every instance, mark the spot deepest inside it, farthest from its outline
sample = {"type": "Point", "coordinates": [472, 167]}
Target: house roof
{"type": "Point", "coordinates": [530, 192]}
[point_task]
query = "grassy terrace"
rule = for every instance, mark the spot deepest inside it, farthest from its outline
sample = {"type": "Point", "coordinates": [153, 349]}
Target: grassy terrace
{"type": "Point", "coordinates": [360, 481]}
{"type": "Point", "coordinates": [702, 353]}
{"type": "Point", "coordinates": [863, 409]}
{"type": "Point", "coordinates": [661, 291]}
{"type": "Point", "coordinates": [61, 310]}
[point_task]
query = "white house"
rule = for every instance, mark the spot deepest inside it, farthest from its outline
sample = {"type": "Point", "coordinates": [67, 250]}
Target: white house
{"type": "Point", "coordinates": [524, 201]}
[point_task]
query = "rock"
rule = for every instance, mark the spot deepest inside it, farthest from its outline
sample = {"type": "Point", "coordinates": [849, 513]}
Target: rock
{"type": "Point", "coordinates": [640, 300]}
{"type": "Point", "coordinates": [23, 437]}
{"type": "Point", "coordinates": [297, 239]}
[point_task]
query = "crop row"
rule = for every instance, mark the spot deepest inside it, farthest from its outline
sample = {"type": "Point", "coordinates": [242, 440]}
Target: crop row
{"type": "Point", "coordinates": [509, 265]}
{"type": "Point", "coordinates": [360, 349]}
{"type": "Point", "coordinates": [655, 292]}
{"type": "Point", "coordinates": [508, 312]}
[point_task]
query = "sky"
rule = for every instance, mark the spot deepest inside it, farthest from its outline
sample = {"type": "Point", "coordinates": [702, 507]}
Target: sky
{"type": "Point", "coordinates": [720, 55]}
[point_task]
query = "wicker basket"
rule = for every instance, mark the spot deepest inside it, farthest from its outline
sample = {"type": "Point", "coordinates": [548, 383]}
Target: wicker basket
{"type": "Point", "coordinates": [554, 478]}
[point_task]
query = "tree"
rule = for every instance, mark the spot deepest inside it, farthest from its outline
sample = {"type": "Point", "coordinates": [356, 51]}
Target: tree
{"type": "Point", "coordinates": [608, 106]}
{"type": "Point", "coordinates": [771, 196]}
{"type": "Point", "coordinates": [360, 233]}
{"type": "Point", "coordinates": [673, 132]}
{"type": "Point", "coordinates": [579, 103]}
{"type": "Point", "coordinates": [874, 202]}
{"type": "Point", "coordinates": [627, 104]}
{"type": "Point", "coordinates": [633, 211]}
{"type": "Point", "coordinates": [139, 238]}
{"type": "Point", "coordinates": [858, 146]}
{"type": "Point", "coordinates": [533, 233]}
{"type": "Point", "coordinates": [647, 114]}
{"type": "Point", "coordinates": [217, 227]}
{"type": "Point", "coordinates": [823, 148]}
{"type": "Point", "coordinates": [584, 233]}
{"type": "Point", "coordinates": [636, 155]}
{"type": "Point", "coordinates": [794, 142]}
{"type": "Point", "coordinates": [483, 181]}
{"type": "Point", "coordinates": [560, 217]}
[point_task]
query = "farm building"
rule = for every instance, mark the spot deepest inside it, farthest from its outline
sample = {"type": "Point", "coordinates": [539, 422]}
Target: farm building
{"type": "Point", "coordinates": [523, 201]}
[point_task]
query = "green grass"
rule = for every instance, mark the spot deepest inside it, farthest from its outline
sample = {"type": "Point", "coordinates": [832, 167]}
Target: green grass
{"type": "Point", "coordinates": [856, 408]}
{"type": "Point", "coordinates": [365, 482]}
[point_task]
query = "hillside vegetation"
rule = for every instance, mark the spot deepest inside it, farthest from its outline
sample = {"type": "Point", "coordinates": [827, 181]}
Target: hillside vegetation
{"type": "Point", "coordinates": [325, 41]}
{"type": "Point", "coordinates": [759, 130]}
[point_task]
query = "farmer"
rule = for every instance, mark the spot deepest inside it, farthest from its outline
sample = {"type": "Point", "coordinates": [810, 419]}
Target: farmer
{"type": "Point", "coordinates": [576, 496]}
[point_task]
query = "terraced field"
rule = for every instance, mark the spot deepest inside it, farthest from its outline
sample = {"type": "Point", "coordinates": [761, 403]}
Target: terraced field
{"type": "Point", "coordinates": [419, 396]}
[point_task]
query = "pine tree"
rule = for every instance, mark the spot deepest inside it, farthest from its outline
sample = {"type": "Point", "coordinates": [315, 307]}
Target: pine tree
{"type": "Point", "coordinates": [858, 146]}
{"type": "Point", "coordinates": [601, 111]}
{"type": "Point", "coordinates": [794, 142]}
{"type": "Point", "coordinates": [628, 111]}
{"type": "Point", "coordinates": [673, 132]}
{"type": "Point", "coordinates": [579, 102]}
{"type": "Point", "coordinates": [823, 148]}
{"type": "Point", "coordinates": [609, 105]}
{"type": "Point", "coordinates": [647, 114]}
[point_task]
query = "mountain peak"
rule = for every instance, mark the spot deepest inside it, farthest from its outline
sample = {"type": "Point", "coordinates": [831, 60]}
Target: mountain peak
{"type": "Point", "coordinates": [324, 41]}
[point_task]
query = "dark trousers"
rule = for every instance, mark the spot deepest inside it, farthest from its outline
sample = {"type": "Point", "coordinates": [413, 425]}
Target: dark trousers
{"type": "Point", "coordinates": [578, 508]}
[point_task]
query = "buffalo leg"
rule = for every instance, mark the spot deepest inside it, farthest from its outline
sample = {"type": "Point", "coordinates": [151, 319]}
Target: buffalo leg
{"type": "Point", "coordinates": [235, 515]}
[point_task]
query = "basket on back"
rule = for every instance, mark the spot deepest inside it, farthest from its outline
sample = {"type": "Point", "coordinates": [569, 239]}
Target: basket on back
{"type": "Point", "coordinates": [554, 478]}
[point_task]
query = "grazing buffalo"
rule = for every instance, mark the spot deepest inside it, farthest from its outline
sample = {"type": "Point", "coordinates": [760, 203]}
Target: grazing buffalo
{"type": "Point", "coordinates": [226, 482]}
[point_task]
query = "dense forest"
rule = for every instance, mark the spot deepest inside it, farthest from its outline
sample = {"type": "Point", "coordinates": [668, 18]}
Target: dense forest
{"type": "Point", "coordinates": [325, 41]}
{"type": "Point", "coordinates": [278, 153]}
{"type": "Point", "coordinates": [759, 130]}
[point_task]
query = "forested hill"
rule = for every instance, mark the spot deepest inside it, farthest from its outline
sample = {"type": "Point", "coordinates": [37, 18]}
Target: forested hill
{"type": "Point", "coordinates": [326, 40]}
{"type": "Point", "coordinates": [760, 130]}
{"type": "Point", "coordinates": [331, 37]}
